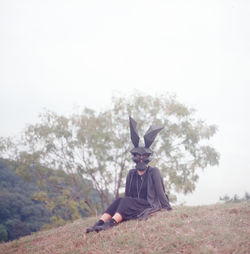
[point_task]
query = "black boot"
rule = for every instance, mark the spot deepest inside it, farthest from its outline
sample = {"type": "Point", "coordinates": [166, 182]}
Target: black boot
{"type": "Point", "coordinates": [108, 224]}
{"type": "Point", "coordinates": [91, 229]}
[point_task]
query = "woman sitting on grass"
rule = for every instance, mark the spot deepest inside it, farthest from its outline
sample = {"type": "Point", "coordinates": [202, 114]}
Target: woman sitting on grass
{"type": "Point", "coordinates": [144, 192]}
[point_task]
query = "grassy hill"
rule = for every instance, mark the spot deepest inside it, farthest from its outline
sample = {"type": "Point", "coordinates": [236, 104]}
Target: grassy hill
{"type": "Point", "coordinates": [219, 228]}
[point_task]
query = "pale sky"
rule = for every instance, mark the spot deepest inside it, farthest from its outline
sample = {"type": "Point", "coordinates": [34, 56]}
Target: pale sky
{"type": "Point", "coordinates": [63, 55]}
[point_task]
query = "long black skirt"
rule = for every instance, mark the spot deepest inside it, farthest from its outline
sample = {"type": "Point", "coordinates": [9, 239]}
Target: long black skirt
{"type": "Point", "coordinates": [128, 207]}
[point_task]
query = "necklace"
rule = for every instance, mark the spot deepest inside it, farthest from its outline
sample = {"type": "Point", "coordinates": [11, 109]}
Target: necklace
{"type": "Point", "coordinates": [137, 185]}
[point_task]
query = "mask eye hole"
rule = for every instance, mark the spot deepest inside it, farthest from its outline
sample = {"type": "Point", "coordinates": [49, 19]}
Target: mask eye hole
{"type": "Point", "coordinates": [145, 155]}
{"type": "Point", "coordinates": [141, 156]}
{"type": "Point", "coordinates": [137, 155]}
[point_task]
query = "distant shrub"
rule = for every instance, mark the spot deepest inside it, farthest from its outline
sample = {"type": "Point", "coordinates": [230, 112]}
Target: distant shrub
{"type": "Point", "coordinates": [235, 198]}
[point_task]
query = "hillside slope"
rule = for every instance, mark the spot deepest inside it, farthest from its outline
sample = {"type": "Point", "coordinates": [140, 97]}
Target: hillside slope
{"type": "Point", "coordinates": [220, 228]}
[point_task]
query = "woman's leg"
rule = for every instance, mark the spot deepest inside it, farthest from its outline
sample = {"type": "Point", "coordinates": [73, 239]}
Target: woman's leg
{"type": "Point", "coordinates": [117, 217]}
{"type": "Point", "coordinates": [116, 210]}
{"type": "Point", "coordinates": [105, 217]}
{"type": "Point", "coordinates": [113, 207]}
{"type": "Point", "coordinates": [110, 223]}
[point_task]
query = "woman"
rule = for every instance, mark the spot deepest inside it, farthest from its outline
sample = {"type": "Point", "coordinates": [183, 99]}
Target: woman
{"type": "Point", "coordinates": [144, 192]}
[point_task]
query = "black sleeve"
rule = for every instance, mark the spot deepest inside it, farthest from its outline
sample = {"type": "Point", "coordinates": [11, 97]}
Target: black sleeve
{"type": "Point", "coordinates": [127, 187]}
{"type": "Point", "coordinates": [160, 189]}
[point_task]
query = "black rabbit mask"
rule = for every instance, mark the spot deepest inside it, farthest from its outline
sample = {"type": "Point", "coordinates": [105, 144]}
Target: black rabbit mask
{"type": "Point", "coordinates": [142, 155]}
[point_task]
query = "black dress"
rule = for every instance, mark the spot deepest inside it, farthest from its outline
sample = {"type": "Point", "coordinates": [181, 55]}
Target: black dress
{"type": "Point", "coordinates": [143, 196]}
{"type": "Point", "coordinates": [134, 204]}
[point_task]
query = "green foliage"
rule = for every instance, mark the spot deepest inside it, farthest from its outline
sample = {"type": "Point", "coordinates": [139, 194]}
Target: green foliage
{"type": "Point", "coordinates": [16, 228]}
{"type": "Point", "coordinates": [40, 196]}
{"type": "Point", "coordinates": [26, 207]}
{"type": "Point", "coordinates": [56, 221]}
{"type": "Point", "coordinates": [3, 233]}
{"type": "Point", "coordinates": [19, 214]}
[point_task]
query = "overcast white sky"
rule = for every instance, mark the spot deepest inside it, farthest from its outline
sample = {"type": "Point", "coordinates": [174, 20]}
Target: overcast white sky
{"type": "Point", "coordinates": [61, 55]}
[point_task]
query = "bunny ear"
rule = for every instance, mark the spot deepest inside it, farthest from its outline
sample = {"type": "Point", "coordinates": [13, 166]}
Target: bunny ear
{"type": "Point", "coordinates": [150, 135]}
{"type": "Point", "coordinates": [133, 132]}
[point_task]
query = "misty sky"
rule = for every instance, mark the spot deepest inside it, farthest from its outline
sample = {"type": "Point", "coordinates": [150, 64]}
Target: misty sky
{"type": "Point", "coordinates": [65, 55]}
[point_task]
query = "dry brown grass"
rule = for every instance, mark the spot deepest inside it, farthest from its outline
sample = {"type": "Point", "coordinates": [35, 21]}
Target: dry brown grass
{"type": "Point", "coordinates": [220, 228]}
